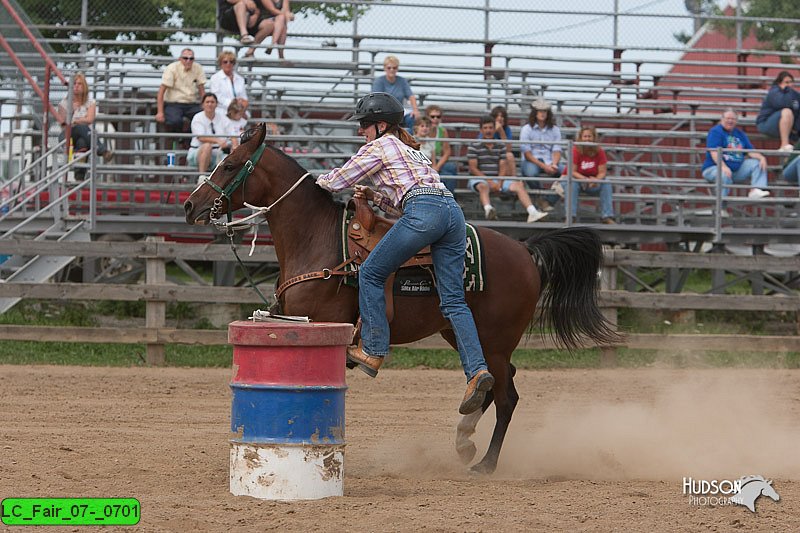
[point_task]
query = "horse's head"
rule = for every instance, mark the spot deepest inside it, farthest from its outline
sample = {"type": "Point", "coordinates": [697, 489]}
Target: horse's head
{"type": "Point", "coordinates": [223, 192]}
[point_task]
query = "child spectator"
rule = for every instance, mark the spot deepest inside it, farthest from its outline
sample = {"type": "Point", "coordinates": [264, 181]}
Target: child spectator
{"type": "Point", "coordinates": [422, 129]}
{"type": "Point", "coordinates": [443, 165]}
{"type": "Point", "coordinates": [780, 111]}
{"type": "Point", "coordinates": [589, 164]}
{"type": "Point", "coordinates": [398, 87]}
{"type": "Point", "coordinates": [539, 158]}
{"type": "Point", "coordinates": [237, 123]}
{"type": "Point", "coordinates": [487, 160]}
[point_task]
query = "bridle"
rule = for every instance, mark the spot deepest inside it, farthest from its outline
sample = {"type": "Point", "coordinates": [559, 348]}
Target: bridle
{"type": "Point", "coordinates": [240, 181]}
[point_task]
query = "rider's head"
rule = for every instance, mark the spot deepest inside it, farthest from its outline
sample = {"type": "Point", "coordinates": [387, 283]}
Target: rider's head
{"type": "Point", "coordinates": [381, 109]}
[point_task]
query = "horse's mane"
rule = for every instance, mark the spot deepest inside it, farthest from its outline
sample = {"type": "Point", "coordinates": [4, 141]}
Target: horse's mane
{"type": "Point", "coordinates": [300, 170]}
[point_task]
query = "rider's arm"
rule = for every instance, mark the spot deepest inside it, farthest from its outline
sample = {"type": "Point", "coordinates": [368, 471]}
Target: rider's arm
{"type": "Point", "coordinates": [365, 163]}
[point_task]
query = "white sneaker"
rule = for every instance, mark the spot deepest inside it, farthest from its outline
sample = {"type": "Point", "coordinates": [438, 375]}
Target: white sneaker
{"type": "Point", "coordinates": [491, 213]}
{"type": "Point", "coordinates": [755, 194]}
{"type": "Point", "coordinates": [786, 148]}
{"type": "Point", "coordinates": [557, 188]}
{"type": "Point", "coordinates": [536, 216]}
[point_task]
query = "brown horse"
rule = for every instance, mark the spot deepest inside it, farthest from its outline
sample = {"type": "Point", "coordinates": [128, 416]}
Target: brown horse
{"type": "Point", "coordinates": [305, 225]}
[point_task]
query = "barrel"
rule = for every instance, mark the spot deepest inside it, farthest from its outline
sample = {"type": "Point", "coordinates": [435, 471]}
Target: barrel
{"type": "Point", "coordinates": [287, 411]}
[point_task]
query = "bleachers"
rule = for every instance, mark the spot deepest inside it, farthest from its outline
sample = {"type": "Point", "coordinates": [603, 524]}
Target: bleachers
{"type": "Point", "coordinates": [653, 132]}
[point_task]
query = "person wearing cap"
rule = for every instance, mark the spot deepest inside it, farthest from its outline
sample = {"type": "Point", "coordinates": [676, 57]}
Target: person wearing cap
{"type": "Point", "coordinates": [407, 185]}
{"type": "Point", "coordinates": [541, 151]}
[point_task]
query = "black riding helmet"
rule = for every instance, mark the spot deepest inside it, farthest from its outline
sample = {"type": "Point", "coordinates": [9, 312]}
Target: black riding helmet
{"type": "Point", "coordinates": [379, 107]}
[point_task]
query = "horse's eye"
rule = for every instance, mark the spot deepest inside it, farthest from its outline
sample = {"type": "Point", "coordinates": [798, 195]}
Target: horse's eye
{"type": "Point", "coordinates": [228, 167]}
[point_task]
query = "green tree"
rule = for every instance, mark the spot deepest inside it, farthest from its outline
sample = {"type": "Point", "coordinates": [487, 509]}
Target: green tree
{"type": "Point", "coordinates": [147, 20]}
{"type": "Point", "coordinates": [782, 35]}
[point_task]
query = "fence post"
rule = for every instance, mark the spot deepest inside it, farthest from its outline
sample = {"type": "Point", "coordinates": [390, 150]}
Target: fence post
{"type": "Point", "coordinates": [155, 312]}
{"type": "Point", "coordinates": [608, 282]}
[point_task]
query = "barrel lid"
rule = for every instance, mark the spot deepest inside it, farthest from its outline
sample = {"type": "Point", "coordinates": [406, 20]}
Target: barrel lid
{"type": "Point", "coordinates": [248, 333]}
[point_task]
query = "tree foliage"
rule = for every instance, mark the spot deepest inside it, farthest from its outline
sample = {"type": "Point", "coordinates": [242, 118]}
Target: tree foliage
{"type": "Point", "coordinates": [144, 18]}
{"type": "Point", "coordinates": [782, 35]}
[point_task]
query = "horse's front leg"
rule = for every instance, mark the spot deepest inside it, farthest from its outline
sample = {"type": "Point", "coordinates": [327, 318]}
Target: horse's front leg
{"type": "Point", "coordinates": [465, 448]}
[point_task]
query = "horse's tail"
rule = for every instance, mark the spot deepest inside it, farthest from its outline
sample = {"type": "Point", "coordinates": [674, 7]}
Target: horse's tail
{"type": "Point", "coordinates": [569, 261]}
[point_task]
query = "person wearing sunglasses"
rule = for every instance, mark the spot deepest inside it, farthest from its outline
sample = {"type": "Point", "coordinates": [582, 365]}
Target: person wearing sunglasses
{"type": "Point", "coordinates": [227, 84]}
{"type": "Point", "coordinates": [441, 161]}
{"type": "Point", "coordinates": [398, 87]}
{"type": "Point", "coordinates": [429, 216]}
{"type": "Point", "coordinates": [181, 91]}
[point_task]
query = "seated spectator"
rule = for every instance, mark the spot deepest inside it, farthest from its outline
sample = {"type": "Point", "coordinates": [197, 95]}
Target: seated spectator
{"type": "Point", "coordinates": [242, 17]}
{"type": "Point", "coordinates": [442, 163]}
{"type": "Point", "coordinates": [210, 139]}
{"type": "Point", "coordinates": [274, 18]}
{"type": "Point", "coordinates": [422, 130]}
{"type": "Point", "coordinates": [227, 84]}
{"type": "Point", "coordinates": [502, 131]}
{"type": "Point", "coordinates": [487, 160]}
{"type": "Point", "coordinates": [237, 123]}
{"type": "Point", "coordinates": [791, 170]}
{"type": "Point", "coordinates": [541, 155]}
{"type": "Point", "coordinates": [589, 165]}
{"type": "Point", "coordinates": [83, 114]}
{"type": "Point", "coordinates": [181, 91]}
{"type": "Point", "coordinates": [780, 111]}
{"type": "Point", "coordinates": [736, 168]}
{"type": "Point", "coordinates": [398, 87]}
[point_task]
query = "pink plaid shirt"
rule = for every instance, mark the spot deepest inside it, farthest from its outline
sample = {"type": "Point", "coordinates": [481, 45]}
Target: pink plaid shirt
{"type": "Point", "coordinates": [393, 167]}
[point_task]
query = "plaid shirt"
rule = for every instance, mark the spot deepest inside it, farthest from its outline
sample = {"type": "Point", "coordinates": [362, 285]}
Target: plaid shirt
{"type": "Point", "coordinates": [393, 167]}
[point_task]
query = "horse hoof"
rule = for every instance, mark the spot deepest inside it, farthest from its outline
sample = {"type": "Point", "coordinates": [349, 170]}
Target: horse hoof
{"type": "Point", "coordinates": [483, 469]}
{"type": "Point", "coordinates": [467, 453]}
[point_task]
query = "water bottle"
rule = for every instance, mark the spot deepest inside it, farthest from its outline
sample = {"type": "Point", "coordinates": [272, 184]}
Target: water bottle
{"type": "Point", "coordinates": [171, 159]}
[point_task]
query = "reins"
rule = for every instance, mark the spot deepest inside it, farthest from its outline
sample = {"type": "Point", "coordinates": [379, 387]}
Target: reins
{"type": "Point", "coordinates": [230, 227]}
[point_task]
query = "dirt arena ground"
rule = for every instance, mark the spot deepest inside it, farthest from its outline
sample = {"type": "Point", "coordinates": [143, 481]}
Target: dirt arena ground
{"type": "Point", "coordinates": [596, 450]}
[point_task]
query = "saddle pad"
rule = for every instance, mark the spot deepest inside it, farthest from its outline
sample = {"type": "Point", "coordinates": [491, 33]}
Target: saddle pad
{"type": "Point", "coordinates": [474, 269]}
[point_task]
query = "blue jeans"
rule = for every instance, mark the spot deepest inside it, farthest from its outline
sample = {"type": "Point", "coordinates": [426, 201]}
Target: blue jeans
{"type": "Point", "coordinates": [750, 169]}
{"type": "Point", "coordinates": [605, 191]}
{"type": "Point", "coordinates": [792, 171]}
{"type": "Point", "coordinates": [427, 220]}
{"type": "Point", "coordinates": [532, 170]}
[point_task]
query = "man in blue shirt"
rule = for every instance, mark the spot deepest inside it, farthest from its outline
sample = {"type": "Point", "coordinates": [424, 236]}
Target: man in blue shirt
{"type": "Point", "coordinates": [398, 87]}
{"type": "Point", "coordinates": [739, 166]}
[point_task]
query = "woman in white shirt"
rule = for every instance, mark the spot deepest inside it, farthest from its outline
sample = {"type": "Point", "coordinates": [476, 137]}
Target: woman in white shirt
{"type": "Point", "coordinates": [227, 84]}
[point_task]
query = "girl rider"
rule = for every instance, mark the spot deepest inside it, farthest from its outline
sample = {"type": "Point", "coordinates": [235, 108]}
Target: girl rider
{"type": "Point", "coordinates": [407, 184]}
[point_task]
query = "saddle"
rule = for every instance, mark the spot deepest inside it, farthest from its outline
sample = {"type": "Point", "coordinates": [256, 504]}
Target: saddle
{"type": "Point", "coordinates": [366, 229]}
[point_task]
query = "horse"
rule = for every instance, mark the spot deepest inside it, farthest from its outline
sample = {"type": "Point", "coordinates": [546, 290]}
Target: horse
{"type": "Point", "coordinates": [560, 268]}
{"type": "Point", "coordinates": [751, 488]}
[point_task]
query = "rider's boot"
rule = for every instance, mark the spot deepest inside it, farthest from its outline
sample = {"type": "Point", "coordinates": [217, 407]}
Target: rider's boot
{"type": "Point", "coordinates": [477, 387]}
{"type": "Point", "coordinates": [369, 364]}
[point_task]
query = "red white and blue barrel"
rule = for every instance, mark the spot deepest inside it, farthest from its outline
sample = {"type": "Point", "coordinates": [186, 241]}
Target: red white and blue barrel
{"type": "Point", "coordinates": [287, 414]}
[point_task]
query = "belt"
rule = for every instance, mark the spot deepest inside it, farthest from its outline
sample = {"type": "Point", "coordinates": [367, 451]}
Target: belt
{"type": "Point", "coordinates": [419, 191]}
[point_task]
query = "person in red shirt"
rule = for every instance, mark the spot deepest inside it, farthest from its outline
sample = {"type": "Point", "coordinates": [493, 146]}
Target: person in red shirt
{"type": "Point", "coordinates": [589, 173]}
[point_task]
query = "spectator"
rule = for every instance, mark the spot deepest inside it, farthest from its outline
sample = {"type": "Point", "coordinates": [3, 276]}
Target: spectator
{"type": "Point", "coordinates": [182, 88]}
{"type": "Point", "coordinates": [791, 170]}
{"type": "Point", "coordinates": [487, 159]}
{"type": "Point", "coordinates": [589, 165]}
{"type": "Point", "coordinates": [275, 18]}
{"type": "Point", "coordinates": [83, 115]}
{"type": "Point", "coordinates": [227, 84]}
{"type": "Point", "coordinates": [237, 123]}
{"type": "Point", "coordinates": [398, 87]}
{"type": "Point", "coordinates": [502, 131]}
{"type": "Point", "coordinates": [736, 168]}
{"type": "Point", "coordinates": [539, 158]}
{"type": "Point", "coordinates": [442, 163]}
{"type": "Point", "coordinates": [210, 139]}
{"type": "Point", "coordinates": [422, 130]}
{"type": "Point", "coordinates": [242, 16]}
{"type": "Point", "coordinates": [780, 111]}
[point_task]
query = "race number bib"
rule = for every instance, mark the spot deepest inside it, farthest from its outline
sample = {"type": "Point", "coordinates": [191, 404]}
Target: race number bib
{"type": "Point", "coordinates": [418, 156]}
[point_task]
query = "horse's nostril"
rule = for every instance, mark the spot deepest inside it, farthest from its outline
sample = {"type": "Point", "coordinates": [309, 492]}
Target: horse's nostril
{"type": "Point", "coordinates": [187, 206]}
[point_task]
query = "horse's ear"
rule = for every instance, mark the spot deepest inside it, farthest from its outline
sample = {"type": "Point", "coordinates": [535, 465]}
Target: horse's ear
{"type": "Point", "coordinates": [258, 132]}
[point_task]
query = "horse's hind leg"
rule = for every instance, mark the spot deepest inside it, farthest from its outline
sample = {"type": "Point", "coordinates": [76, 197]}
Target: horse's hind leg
{"type": "Point", "coordinates": [505, 400]}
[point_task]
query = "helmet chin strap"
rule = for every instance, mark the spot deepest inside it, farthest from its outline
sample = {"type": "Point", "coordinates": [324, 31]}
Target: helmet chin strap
{"type": "Point", "coordinates": [379, 132]}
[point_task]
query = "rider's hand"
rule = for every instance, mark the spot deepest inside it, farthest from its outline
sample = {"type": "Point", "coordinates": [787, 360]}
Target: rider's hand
{"type": "Point", "coordinates": [364, 192]}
